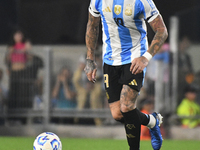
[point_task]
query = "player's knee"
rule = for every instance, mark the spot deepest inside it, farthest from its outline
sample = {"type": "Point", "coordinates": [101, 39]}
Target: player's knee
{"type": "Point", "coordinates": [117, 116]}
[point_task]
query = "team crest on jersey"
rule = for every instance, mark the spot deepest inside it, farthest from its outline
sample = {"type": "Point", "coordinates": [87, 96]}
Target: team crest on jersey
{"type": "Point", "coordinates": [128, 10]}
{"type": "Point", "coordinates": [118, 9]}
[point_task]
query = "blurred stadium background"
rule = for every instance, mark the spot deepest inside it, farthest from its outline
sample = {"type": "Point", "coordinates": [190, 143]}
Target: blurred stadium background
{"type": "Point", "coordinates": [29, 101]}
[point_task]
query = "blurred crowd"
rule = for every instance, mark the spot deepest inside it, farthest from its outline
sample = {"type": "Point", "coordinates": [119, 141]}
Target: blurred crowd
{"type": "Point", "coordinates": [71, 90]}
{"type": "Point", "coordinates": [22, 69]}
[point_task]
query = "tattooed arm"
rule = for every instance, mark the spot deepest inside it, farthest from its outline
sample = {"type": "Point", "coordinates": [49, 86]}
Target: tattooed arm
{"type": "Point", "coordinates": [158, 26]}
{"type": "Point", "coordinates": [91, 41]}
{"type": "Point", "coordinates": [161, 35]}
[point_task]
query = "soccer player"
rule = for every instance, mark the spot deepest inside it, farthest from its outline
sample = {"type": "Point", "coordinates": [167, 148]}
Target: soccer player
{"type": "Point", "coordinates": [125, 57]}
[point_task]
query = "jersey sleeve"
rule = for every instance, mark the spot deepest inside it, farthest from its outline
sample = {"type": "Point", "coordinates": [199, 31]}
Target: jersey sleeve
{"type": "Point", "coordinates": [151, 12]}
{"type": "Point", "coordinates": [93, 10]}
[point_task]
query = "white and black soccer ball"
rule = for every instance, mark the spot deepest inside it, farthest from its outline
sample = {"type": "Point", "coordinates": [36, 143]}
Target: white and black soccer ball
{"type": "Point", "coordinates": [47, 141]}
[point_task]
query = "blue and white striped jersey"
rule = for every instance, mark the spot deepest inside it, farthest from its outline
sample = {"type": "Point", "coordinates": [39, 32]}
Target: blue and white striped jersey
{"type": "Point", "coordinates": [124, 28]}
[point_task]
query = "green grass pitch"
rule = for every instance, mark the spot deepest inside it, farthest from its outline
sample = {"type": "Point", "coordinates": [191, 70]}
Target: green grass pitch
{"type": "Point", "coordinates": [21, 143]}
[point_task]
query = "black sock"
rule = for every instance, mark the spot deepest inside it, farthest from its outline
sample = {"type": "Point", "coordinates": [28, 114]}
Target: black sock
{"type": "Point", "coordinates": [132, 127]}
{"type": "Point", "coordinates": [143, 117]}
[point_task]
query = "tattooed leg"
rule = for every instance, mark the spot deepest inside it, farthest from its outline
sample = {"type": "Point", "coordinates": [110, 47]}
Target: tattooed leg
{"type": "Point", "coordinates": [128, 98]}
{"type": "Point", "coordinates": [133, 118]}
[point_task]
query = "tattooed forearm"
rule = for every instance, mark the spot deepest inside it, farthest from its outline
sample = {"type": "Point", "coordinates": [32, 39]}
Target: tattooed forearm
{"type": "Point", "coordinates": [92, 35]}
{"type": "Point", "coordinates": [128, 98]}
{"type": "Point", "coordinates": [160, 35]}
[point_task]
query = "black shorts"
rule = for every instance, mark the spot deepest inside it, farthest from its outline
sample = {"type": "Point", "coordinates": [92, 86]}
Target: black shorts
{"type": "Point", "coordinates": [117, 76]}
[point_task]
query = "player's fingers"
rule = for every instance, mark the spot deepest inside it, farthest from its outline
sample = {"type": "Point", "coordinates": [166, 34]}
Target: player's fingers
{"type": "Point", "coordinates": [94, 75]}
{"type": "Point", "coordinates": [139, 70]}
{"type": "Point", "coordinates": [132, 65]}
{"type": "Point", "coordinates": [135, 69]}
{"type": "Point", "coordinates": [89, 76]}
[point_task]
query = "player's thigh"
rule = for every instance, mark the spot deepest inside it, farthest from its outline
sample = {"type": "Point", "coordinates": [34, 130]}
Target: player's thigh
{"type": "Point", "coordinates": [113, 89]}
{"type": "Point", "coordinates": [128, 98]}
{"type": "Point", "coordinates": [135, 82]}
{"type": "Point", "coordinates": [111, 81]}
{"type": "Point", "coordinates": [131, 87]}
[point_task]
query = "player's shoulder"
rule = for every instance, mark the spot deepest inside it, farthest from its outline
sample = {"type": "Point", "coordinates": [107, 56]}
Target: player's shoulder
{"type": "Point", "coordinates": [95, 3]}
{"type": "Point", "coordinates": [148, 2]}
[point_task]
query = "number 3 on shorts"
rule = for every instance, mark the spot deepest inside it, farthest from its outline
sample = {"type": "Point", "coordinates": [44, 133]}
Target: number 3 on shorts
{"type": "Point", "coordinates": [106, 80]}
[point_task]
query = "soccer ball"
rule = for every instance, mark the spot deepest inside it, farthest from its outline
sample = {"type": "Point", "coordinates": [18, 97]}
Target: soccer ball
{"type": "Point", "coordinates": [47, 141]}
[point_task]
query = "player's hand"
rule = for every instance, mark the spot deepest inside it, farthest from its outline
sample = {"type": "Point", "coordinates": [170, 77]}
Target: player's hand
{"type": "Point", "coordinates": [90, 70]}
{"type": "Point", "coordinates": [138, 65]}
